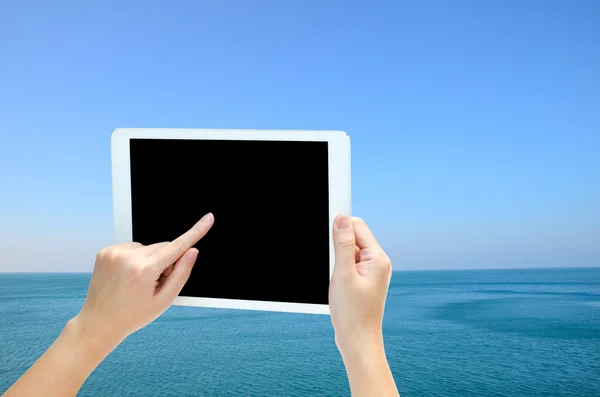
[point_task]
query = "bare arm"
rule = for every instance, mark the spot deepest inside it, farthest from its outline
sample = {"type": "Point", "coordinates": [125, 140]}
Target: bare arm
{"type": "Point", "coordinates": [368, 371]}
{"type": "Point", "coordinates": [64, 367]}
{"type": "Point", "coordinates": [357, 300]}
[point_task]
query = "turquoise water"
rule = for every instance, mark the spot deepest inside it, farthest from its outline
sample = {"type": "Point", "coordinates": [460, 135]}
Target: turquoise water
{"type": "Point", "coordinates": [467, 333]}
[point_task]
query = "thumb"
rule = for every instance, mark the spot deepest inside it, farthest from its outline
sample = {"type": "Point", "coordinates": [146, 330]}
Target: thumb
{"type": "Point", "coordinates": [182, 269]}
{"type": "Point", "coordinates": [344, 244]}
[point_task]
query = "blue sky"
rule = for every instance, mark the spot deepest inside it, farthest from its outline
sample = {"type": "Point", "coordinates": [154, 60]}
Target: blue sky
{"type": "Point", "coordinates": [475, 125]}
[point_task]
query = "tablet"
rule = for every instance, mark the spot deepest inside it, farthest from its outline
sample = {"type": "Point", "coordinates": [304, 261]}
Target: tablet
{"type": "Point", "coordinates": [274, 195]}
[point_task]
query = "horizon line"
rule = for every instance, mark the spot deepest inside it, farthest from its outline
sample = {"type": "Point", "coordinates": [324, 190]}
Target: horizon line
{"type": "Point", "coordinates": [394, 270]}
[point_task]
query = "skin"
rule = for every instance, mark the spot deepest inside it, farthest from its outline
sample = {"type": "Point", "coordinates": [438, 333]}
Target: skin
{"type": "Point", "coordinates": [133, 284]}
{"type": "Point", "coordinates": [357, 296]}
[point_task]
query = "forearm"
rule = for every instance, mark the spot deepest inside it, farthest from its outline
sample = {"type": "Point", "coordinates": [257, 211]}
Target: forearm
{"type": "Point", "coordinates": [368, 370]}
{"type": "Point", "coordinates": [64, 367]}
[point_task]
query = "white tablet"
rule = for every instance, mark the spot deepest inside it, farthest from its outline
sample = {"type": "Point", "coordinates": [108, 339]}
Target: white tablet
{"type": "Point", "coordinates": [274, 195]}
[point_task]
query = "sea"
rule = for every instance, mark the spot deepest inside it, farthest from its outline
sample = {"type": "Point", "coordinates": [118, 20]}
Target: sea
{"type": "Point", "coordinates": [526, 332]}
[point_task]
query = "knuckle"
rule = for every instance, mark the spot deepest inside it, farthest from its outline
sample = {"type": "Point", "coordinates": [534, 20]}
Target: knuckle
{"type": "Point", "coordinates": [346, 242]}
{"type": "Point", "coordinates": [368, 255]}
{"type": "Point", "coordinates": [136, 270]}
{"type": "Point", "coordinates": [108, 254]}
{"type": "Point", "coordinates": [115, 256]}
{"type": "Point", "coordinates": [178, 244]}
{"type": "Point", "coordinates": [118, 256]}
{"type": "Point", "coordinates": [103, 253]}
{"type": "Point", "coordinates": [383, 260]}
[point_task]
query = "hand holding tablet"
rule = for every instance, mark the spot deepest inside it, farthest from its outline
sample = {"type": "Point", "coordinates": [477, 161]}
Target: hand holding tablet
{"type": "Point", "coordinates": [359, 286]}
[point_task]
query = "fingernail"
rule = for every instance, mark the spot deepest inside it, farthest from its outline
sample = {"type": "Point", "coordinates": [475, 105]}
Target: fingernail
{"type": "Point", "coordinates": [208, 218]}
{"type": "Point", "coordinates": [342, 223]}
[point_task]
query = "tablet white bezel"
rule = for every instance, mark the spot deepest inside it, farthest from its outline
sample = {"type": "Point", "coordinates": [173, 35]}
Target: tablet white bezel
{"type": "Point", "coordinates": [339, 193]}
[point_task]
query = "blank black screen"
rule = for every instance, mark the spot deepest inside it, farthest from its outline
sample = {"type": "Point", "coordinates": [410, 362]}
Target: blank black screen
{"type": "Point", "coordinates": [270, 199]}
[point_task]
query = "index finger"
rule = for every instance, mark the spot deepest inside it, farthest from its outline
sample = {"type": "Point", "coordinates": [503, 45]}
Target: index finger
{"type": "Point", "coordinates": [169, 254]}
{"type": "Point", "coordinates": [364, 236]}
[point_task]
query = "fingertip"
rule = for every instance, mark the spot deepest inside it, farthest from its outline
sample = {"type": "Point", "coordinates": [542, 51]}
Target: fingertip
{"type": "Point", "coordinates": [343, 237]}
{"type": "Point", "coordinates": [208, 218]}
{"type": "Point", "coordinates": [192, 254]}
{"type": "Point", "coordinates": [357, 219]}
{"type": "Point", "coordinates": [364, 235]}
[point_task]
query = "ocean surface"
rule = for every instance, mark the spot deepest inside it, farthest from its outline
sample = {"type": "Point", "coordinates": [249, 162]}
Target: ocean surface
{"type": "Point", "coordinates": [447, 333]}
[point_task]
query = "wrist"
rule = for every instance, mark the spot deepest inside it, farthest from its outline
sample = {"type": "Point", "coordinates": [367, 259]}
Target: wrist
{"type": "Point", "coordinates": [96, 345]}
{"type": "Point", "coordinates": [360, 346]}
